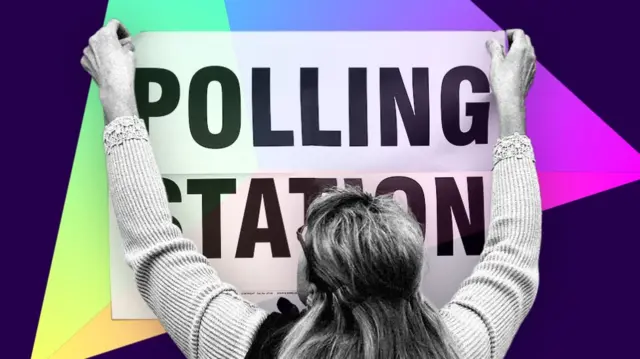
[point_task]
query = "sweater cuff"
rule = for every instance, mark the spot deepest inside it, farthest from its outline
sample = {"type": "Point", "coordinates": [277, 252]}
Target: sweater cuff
{"type": "Point", "coordinates": [123, 129]}
{"type": "Point", "coordinates": [516, 145]}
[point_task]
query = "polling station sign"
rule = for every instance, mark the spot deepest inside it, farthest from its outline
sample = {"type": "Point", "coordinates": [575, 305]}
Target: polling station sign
{"type": "Point", "coordinates": [248, 127]}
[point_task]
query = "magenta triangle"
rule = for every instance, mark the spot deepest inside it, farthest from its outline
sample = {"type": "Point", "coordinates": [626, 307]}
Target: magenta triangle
{"type": "Point", "coordinates": [558, 188]}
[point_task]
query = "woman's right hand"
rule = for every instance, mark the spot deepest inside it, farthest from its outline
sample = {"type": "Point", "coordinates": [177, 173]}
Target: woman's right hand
{"type": "Point", "coordinates": [110, 60]}
{"type": "Point", "coordinates": [511, 77]}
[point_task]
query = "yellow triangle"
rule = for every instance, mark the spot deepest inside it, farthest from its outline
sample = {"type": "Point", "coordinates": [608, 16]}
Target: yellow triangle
{"type": "Point", "coordinates": [103, 334]}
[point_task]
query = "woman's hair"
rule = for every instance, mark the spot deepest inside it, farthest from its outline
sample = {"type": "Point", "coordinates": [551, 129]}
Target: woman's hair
{"type": "Point", "coordinates": [364, 257]}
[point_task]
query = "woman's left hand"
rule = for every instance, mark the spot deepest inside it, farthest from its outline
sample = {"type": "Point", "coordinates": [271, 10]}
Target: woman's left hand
{"type": "Point", "coordinates": [110, 61]}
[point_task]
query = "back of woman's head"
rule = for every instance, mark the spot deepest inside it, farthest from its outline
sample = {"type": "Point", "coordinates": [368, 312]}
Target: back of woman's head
{"type": "Point", "coordinates": [364, 259]}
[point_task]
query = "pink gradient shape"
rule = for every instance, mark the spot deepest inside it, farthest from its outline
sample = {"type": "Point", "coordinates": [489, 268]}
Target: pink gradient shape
{"type": "Point", "coordinates": [558, 188]}
{"type": "Point", "coordinates": [568, 136]}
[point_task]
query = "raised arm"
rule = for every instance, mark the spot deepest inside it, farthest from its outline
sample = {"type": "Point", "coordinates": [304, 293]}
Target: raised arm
{"type": "Point", "coordinates": [486, 312]}
{"type": "Point", "coordinates": [204, 316]}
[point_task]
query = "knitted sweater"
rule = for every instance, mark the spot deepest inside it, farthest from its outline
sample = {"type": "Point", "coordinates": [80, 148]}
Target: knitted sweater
{"type": "Point", "coordinates": [208, 319]}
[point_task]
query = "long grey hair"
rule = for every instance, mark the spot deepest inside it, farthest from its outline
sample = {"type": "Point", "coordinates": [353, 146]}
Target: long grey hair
{"type": "Point", "coordinates": [364, 260]}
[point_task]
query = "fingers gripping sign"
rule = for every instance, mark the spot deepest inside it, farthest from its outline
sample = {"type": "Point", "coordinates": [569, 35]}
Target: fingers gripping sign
{"type": "Point", "coordinates": [108, 37]}
{"type": "Point", "coordinates": [110, 62]}
{"type": "Point", "coordinates": [512, 74]}
{"type": "Point", "coordinates": [496, 50]}
{"type": "Point", "coordinates": [127, 44]}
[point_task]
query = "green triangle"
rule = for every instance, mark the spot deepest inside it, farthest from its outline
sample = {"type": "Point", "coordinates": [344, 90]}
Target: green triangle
{"type": "Point", "coordinates": [78, 286]}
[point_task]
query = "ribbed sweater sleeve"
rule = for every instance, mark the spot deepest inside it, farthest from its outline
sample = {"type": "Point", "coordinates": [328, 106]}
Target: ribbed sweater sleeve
{"type": "Point", "coordinates": [204, 316]}
{"type": "Point", "coordinates": [486, 312]}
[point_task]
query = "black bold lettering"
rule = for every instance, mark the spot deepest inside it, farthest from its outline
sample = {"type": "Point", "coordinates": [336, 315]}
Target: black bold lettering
{"type": "Point", "coordinates": [412, 189]}
{"type": "Point", "coordinates": [263, 135]}
{"type": "Point", "coordinates": [471, 227]}
{"type": "Point", "coordinates": [358, 112]}
{"type": "Point", "coordinates": [262, 190]}
{"type": "Point", "coordinates": [312, 135]}
{"type": "Point", "coordinates": [416, 118]}
{"type": "Point", "coordinates": [169, 96]}
{"type": "Point", "coordinates": [231, 107]}
{"type": "Point", "coordinates": [173, 196]}
{"type": "Point", "coordinates": [310, 188]}
{"type": "Point", "coordinates": [450, 105]}
{"type": "Point", "coordinates": [211, 190]}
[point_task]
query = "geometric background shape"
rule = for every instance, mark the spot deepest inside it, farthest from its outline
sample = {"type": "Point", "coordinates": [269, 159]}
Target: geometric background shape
{"type": "Point", "coordinates": [550, 106]}
{"type": "Point", "coordinates": [552, 26]}
{"type": "Point", "coordinates": [92, 339]}
{"type": "Point", "coordinates": [558, 188]}
{"type": "Point", "coordinates": [568, 41]}
{"type": "Point", "coordinates": [78, 286]}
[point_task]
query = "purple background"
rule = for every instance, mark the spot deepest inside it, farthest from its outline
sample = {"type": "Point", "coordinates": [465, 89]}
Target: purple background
{"type": "Point", "coordinates": [586, 305]}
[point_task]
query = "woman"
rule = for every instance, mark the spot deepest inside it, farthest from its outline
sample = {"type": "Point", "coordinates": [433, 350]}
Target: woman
{"type": "Point", "coordinates": [363, 255]}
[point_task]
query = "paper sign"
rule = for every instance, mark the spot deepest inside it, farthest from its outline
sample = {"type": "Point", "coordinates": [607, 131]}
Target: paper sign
{"type": "Point", "coordinates": [277, 116]}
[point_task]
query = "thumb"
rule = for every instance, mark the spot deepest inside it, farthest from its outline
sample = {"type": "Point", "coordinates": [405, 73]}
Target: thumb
{"type": "Point", "coordinates": [112, 27]}
{"type": "Point", "coordinates": [115, 31]}
{"type": "Point", "coordinates": [496, 50]}
{"type": "Point", "coordinates": [127, 44]}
